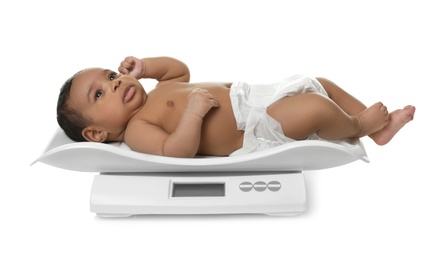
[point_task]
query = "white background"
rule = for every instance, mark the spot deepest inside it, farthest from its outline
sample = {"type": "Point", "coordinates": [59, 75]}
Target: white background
{"type": "Point", "coordinates": [390, 51]}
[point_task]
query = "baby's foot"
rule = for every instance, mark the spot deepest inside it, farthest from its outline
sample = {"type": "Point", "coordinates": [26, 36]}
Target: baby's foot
{"type": "Point", "coordinates": [397, 119]}
{"type": "Point", "coordinates": [372, 119]}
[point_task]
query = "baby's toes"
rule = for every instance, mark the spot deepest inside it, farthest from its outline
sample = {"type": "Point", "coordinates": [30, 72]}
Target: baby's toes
{"type": "Point", "coordinates": [384, 111]}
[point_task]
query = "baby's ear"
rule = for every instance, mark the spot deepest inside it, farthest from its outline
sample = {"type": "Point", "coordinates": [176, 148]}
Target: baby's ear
{"type": "Point", "coordinates": [93, 135]}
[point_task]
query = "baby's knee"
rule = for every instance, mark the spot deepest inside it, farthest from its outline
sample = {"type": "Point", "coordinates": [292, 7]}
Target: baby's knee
{"type": "Point", "coordinates": [320, 105]}
{"type": "Point", "coordinates": [316, 99]}
{"type": "Point", "coordinates": [323, 81]}
{"type": "Point", "coordinates": [326, 83]}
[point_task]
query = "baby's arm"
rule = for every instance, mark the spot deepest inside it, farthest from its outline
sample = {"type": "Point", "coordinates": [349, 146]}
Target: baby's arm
{"type": "Point", "coordinates": [159, 68]}
{"type": "Point", "coordinates": [184, 141]}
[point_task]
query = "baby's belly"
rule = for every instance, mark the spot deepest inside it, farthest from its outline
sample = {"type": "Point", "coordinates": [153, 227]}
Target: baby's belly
{"type": "Point", "coordinates": [219, 132]}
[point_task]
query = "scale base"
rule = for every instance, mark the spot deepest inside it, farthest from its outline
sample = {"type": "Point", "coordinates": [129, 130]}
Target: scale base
{"type": "Point", "coordinates": [127, 194]}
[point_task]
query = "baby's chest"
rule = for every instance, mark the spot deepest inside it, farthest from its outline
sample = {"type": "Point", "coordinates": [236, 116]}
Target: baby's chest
{"type": "Point", "coordinates": [163, 112]}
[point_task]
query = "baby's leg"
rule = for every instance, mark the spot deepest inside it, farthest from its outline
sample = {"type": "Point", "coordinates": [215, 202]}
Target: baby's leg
{"type": "Point", "coordinates": [352, 106]}
{"type": "Point", "coordinates": [343, 99]}
{"type": "Point", "coordinates": [309, 113]}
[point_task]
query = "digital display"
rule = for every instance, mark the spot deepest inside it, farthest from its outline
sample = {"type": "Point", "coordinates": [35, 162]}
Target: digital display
{"type": "Point", "coordinates": [198, 190]}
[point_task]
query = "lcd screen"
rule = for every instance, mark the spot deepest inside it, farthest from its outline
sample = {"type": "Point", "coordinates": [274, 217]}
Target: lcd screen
{"type": "Point", "coordinates": [198, 190]}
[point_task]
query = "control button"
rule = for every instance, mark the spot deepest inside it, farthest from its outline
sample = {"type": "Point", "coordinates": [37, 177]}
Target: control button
{"type": "Point", "coordinates": [246, 186]}
{"type": "Point", "coordinates": [274, 186]}
{"type": "Point", "coordinates": [260, 186]}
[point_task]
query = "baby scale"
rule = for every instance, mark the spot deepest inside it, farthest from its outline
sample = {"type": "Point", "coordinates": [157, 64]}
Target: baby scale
{"type": "Point", "coordinates": [130, 183]}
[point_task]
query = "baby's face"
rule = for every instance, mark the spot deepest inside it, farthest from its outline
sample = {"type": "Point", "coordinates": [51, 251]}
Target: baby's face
{"type": "Point", "coordinates": [107, 99]}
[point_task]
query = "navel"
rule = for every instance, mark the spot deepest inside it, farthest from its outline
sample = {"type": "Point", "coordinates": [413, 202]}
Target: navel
{"type": "Point", "coordinates": [170, 103]}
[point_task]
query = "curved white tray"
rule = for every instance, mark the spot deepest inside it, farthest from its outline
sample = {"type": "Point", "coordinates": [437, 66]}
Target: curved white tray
{"type": "Point", "coordinates": [98, 157]}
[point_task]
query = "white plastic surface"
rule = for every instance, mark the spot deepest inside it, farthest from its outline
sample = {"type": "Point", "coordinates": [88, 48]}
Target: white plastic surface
{"type": "Point", "coordinates": [98, 157]}
{"type": "Point", "coordinates": [126, 195]}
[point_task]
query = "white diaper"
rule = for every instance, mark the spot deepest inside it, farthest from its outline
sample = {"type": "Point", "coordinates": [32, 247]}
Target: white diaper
{"type": "Point", "coordinates": [249, 103]}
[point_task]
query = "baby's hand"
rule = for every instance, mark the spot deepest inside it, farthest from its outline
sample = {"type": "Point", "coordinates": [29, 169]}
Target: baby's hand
{"type": "Point", "coordinates": [200, 101]}
{"type": "Point", "coordinates": [132, 66]}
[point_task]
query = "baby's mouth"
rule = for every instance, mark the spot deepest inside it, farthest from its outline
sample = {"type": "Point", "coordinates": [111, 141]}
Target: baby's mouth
{"type": "Point", "coordinates": [129, 93]}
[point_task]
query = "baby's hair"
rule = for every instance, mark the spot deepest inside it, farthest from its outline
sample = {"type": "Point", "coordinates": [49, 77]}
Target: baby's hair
{"type": "Point", "coordinates": [69, 119]}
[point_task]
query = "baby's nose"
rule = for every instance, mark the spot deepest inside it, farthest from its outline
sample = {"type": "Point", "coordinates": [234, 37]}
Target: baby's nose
{"type": "Point", "coordinates": [115, 85]}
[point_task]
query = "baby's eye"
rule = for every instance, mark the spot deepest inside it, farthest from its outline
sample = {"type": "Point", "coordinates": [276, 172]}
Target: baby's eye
{"type": "Point", "coordinates": [112, 76]}
{"type": "Point", "coordinates": [98, 94]}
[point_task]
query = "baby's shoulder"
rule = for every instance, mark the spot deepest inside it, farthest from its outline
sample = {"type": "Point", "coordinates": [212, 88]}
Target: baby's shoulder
{"type": "Point", "coordinates": [138, 126]}
{"type": "Point", "coordinates": [143, 116]}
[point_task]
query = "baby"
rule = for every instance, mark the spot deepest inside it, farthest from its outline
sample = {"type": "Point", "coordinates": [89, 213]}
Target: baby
{"type": "Point", "coordinates": [182, 119]}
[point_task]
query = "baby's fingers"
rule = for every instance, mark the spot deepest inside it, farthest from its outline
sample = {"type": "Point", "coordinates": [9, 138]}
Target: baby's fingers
{"type": "Point", "coordinates": [127, 65]}
{"type": "Point", "coordinates": [208, 96]}
{"type": "Point", "coordinates": [123, 70]}
{"type": "Point", "coordinates": [215, 103]}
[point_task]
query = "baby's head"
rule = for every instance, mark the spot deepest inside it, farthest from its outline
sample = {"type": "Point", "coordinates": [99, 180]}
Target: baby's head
{"type": "Point", "coordinates": [97, 104]}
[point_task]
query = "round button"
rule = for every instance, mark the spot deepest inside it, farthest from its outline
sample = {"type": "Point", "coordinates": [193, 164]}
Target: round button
{"type": "Point", "coordinates": [246, 186]}
{"type": "Point", "coordinates": [274, 186]}
{"type": "Point", "coordinates": [260, 186]}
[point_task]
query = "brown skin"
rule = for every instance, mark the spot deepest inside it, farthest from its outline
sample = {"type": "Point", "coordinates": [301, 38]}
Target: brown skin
{"type": "Point", "coordinates": [178, 124]}
{"type": "Point", "coordinates": [182, 119]}
{"type": "Point", "coordinates": [177, 118]}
